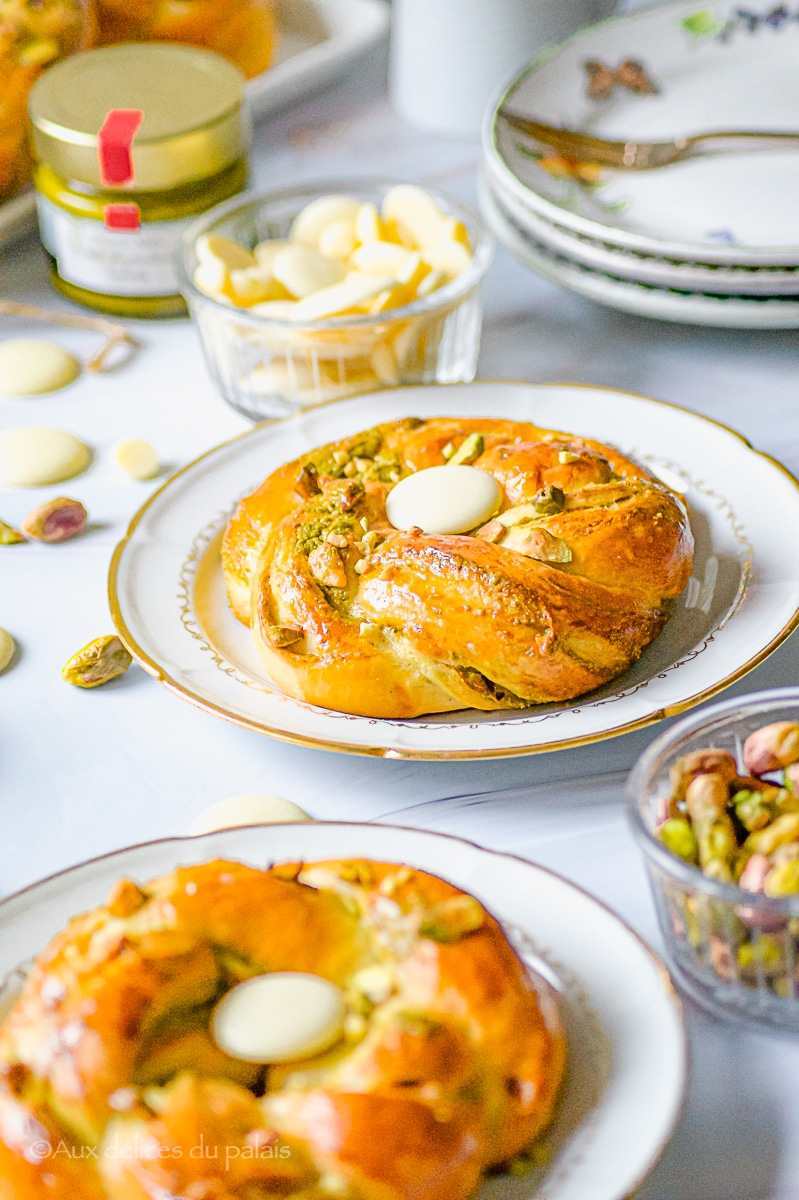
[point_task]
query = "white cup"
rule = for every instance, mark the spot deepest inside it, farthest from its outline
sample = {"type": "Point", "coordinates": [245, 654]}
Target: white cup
{"type": "Point", "coordinates": [448, 57]}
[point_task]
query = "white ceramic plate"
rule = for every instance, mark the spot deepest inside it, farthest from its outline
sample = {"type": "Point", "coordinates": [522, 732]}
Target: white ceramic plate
{"type": "Point", "coordinates": [169, 604]}
{"type": "Point", "coordinates": [719, 66]}
{"type": "Point", "coordinates": [644, 299]}
{"type": "Point", "coordinates": [629, 264]}
{"type": "Point", "coordinates": [627, 1049]}
{"type": "Point", "coordinates": [320, 39]}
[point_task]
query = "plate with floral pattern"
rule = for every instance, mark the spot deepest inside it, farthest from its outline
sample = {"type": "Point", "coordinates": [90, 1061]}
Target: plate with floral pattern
{"type": "Point", "coordinates": [663, 72]}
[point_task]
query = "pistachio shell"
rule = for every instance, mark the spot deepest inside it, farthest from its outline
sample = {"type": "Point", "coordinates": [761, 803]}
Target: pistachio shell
{"type": "Point", "coordinates": [102, 660]}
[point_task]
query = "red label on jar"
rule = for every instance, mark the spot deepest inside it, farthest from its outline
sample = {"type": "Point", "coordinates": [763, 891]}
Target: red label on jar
{"type": "Point", "coordinates": [122, 216]}
{"type": "Point", "coordinates": [115, 145]}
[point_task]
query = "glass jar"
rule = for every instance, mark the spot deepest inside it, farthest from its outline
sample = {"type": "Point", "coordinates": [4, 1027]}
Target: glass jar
{"type": "Point", "coordinates": [133, 142]}
{"type": "Point", "coordinates": [734, 951]}
{"type": "Point", "coordinates": [267, 367]}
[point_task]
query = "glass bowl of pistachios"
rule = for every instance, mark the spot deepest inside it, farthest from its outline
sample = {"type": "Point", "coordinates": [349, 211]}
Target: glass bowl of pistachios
{"type": "Point", "coordinates": [714, 805]}
{"type": "Point", "coordinates": [316, 293]}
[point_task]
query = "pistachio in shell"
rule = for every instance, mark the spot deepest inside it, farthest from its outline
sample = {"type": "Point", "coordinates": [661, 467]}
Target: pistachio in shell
{"type": "Point", "coordinates": [101, 661]}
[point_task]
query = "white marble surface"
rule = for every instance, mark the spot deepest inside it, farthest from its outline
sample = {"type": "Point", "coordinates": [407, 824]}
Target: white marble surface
{"type": "Point", "coordinates": [85, 772]}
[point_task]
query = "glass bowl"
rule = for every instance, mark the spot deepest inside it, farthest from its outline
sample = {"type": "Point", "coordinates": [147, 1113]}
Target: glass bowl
{"type": "Point", "coordinates": [266, 367]}
{"type": "Point", "coordinates": [733, 951]}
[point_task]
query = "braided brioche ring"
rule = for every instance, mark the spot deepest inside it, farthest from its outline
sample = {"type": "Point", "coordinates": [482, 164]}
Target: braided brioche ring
{"type": "Point", "coordinates": [110, 1080]}
{"type": "Point", "coordinates": [383, 622]}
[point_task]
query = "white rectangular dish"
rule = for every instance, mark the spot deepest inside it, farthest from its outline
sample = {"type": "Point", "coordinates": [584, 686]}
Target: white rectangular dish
{"type": "Point", "coordinates": [319, 41]}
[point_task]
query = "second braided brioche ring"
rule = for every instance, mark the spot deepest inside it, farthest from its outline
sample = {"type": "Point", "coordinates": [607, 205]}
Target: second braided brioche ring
{"type": "Point", "coordinates": [558, 593]}
{"type": "Point", "coordinates": [112, 1087]}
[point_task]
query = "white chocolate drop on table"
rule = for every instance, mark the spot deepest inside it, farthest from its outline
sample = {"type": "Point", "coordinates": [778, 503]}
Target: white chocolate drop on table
{"type": "Point", "coordinates": [86, 772]}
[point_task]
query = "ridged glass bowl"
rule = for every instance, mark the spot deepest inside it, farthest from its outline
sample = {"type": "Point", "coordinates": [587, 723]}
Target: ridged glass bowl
{"type": "Point", "coordinates": [267, 368]}
{"type": "Point", "coordinates": [735, 952]}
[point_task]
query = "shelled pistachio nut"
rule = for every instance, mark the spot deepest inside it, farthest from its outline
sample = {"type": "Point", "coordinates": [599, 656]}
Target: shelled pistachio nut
{"type": "Point", "coordinates": [56, 521]}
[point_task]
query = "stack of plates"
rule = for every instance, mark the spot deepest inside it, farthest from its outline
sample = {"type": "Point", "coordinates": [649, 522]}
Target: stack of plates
{"type": "Point", "coordinates": [713, 240]}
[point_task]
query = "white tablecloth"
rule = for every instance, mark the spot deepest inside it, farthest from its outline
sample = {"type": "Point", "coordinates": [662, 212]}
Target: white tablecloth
{"type": "Point", "coordinates": [86, 772]}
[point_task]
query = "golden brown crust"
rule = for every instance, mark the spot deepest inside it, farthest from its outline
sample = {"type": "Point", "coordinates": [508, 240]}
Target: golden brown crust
{"type": "Point", "coordinates": [451, 1064]}
{"type": "Point", "coordinates": [388, 623]}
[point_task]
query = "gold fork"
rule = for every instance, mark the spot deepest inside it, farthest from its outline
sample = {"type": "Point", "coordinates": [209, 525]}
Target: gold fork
{"type": "Point", "coordinates": [637, 156]}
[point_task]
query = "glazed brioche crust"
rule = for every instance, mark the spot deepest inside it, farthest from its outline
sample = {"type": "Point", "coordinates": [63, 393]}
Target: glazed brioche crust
{"type": "Point", "coordinates": [421, 623]}
{"type": "Point", "coordinates": [451, 1064]}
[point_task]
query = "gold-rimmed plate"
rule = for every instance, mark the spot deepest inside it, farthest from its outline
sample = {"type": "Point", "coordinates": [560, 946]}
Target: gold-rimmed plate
{"type": "Point", "coordinates": [168, 597]}
{"type": "Point", "coordinates": [627, 1054]}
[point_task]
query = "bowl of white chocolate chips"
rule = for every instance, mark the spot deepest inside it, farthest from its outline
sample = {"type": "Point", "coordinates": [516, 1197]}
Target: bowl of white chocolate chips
{"type": "Point", "coordinates": [309, 295]}
{"type": "Point", "coordinates": [714, 804]}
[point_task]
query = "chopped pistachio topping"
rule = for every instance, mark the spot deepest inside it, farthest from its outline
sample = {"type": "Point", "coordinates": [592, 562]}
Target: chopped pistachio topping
{"type": "Point", "coordinates": [470, 449]}
{"type": "Point", "coordinates": [452, 919]}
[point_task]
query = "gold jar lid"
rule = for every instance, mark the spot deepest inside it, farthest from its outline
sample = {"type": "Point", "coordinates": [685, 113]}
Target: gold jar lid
{"type": "Point", "coordinates": [193, 125]}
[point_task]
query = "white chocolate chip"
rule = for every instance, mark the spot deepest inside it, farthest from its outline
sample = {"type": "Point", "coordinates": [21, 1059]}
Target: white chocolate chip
{"type": "Point", "coordinates": [390, 298]}
{"type": "Point", "coordinates": [282, 377]}
{"type": "Point", "coordinates": [368, 224]}
{"type": "Point", "coordinates": [431, 283]}
{"type": "Point", "coordinates": [267, 252]}
{"type": "Point", "coordinates": [352, 292]}
{"type": "Point", "coordinates": [279, 310]}
{"type": "Point", "coordinates": [216, 250]}
{"type": "Point", "coordinates": [30, 367]}
{"type": "Point", "coordinates": [211, 278]}
{"type": "Point", "coordinates": [444, 500]}
{"type": "Point", "coordinates": [136, 458]}
{"type": "Point", "coordinates": [417, 217]}
{"type": "Point", "coordinates": [35, 456]}
{"type": "Point", "coordinates": [253, 285]}
{"type": "Point", "coordinates": [7, 647]}
{"type": "Point", "coordinates": [309, 225]}
{"type": "Point", "coordinates": [279, 1017]}
{"type": "Point", "coordinates": [385, 364]}
{"type": "Point", "coordinates": [252, 808]}
{"type": "Point", "coordinates": [450, 256]}
{"type": "Point", "coordinates": [382, 258]}
{"type": "Point", "coordinates": [303, 271]}
{"type": "Point", "coordinates": [337, 240]}
{"type": "Point", "coordinates": [412, 271]}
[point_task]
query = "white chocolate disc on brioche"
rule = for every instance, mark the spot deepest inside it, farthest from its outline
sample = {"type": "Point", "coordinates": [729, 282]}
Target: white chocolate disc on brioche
{"type": "Point", "coordinates": [279, 1017]}
{"type": "Point", "coordinates": [444, 500]}
{"type": "Point", "coordinates": [252, 808]}
{"type": "Point", "coordinates": [35, 456]}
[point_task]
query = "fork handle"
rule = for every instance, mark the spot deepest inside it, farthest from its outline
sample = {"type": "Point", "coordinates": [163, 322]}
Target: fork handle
{"type": "Point", "coordinates": [745, 137]}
